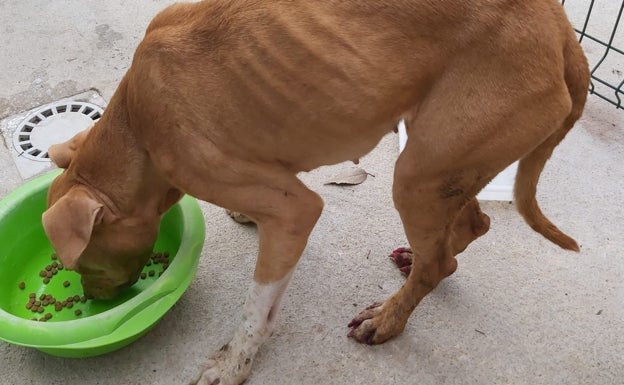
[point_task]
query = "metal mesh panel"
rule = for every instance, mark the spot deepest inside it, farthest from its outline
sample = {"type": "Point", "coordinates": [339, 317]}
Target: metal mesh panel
{"type": "Point", "coordinates": [597, 23]}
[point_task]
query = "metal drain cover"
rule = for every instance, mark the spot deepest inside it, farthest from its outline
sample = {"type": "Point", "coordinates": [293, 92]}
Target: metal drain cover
{"type": "Point", "coordinates": [53, 124]}
{"type": "Point", "coordinates": [29, 134]}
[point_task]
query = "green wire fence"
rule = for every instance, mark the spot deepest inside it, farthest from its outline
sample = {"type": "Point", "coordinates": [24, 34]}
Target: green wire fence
{"type": "Point", "coordinates": [603, 84]}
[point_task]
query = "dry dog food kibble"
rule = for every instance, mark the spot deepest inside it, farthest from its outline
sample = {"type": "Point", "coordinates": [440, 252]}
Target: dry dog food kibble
{"type": "Point", "coordinates": [39, 304]}
{"type": "Point", "coordinates": [157, 259]}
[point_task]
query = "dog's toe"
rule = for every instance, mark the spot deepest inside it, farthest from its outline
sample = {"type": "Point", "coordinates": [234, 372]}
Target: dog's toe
{"type": "Point", "coordinates": [377, 324]}
{"type": "Point", "coordinates": [208, 375]}
{"type": "Point", "coordinates": [364, 327]}
{"type": "Point", "coordinates": [367, 313]}
{"type": "Point", "coordinates": [223, 369]}
{"type": "Point", "coordinates": [364, 332]}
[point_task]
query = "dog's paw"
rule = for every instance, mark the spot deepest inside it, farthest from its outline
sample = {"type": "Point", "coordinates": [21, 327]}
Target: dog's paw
{"type": "Point", "coordinates": [224, 368]}
{"type": "Point", "coordinates": [238, 217]}
{"type": "Point", "coordinates": [372, 327]}
{"type": "Point", "coordinates": [403, 257]}
{"type": "Point", "coordinates": [362, 326]}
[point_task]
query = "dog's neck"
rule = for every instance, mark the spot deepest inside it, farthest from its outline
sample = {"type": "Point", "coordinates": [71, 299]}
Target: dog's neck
{"type": "Point", "coordinates": [121, 173]}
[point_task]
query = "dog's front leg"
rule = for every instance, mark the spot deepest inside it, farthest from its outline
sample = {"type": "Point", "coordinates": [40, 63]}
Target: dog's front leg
{"type": "Point", "coordinates": [285, 212]}
{"type": "Point", "coordinates": [232, 363]}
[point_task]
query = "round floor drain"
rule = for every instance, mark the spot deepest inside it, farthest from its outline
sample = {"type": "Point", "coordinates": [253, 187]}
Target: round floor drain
{"type": "Point", "coordinates": [53, 124]}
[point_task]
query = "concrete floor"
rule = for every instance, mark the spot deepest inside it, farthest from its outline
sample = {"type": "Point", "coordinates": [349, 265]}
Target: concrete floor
{"type": "Point", "coordinates": [518, 310]}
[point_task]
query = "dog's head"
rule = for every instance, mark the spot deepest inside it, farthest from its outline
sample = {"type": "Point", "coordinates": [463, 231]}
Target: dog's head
{"type": "Point", "coordinates": [106, 248]}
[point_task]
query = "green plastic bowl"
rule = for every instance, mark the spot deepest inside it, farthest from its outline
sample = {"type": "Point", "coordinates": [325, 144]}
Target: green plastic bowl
{"type": "Point", "coordinates": [103, 326]}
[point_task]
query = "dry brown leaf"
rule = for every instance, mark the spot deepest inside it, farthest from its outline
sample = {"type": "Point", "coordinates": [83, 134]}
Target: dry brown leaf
{"type": "Point", "coordinates": [350, 177]}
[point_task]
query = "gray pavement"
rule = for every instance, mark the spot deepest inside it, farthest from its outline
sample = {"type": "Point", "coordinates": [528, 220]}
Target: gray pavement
{"type": "Point", "coordinates": [518, 310]}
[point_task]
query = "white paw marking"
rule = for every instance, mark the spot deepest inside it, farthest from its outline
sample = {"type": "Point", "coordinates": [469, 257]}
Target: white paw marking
{"type": "Point", "coordinates": [231, 365]}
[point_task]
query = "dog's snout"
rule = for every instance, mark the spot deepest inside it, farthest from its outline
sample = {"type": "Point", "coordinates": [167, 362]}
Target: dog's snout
{"type": "Point", "coordinates": [98, 291]}
{"type": "Point", "coordinates": [104, 288]}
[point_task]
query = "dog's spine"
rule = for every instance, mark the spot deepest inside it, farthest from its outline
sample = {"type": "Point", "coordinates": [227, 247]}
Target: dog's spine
{"type": "Point", "coordinates": [577, 79]}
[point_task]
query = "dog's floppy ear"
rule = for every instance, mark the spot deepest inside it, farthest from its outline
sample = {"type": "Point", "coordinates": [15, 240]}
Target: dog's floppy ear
{"type": "Point", "coordinates": [63, 153]}
{"type": "Point", "coordinates": [69, 222]}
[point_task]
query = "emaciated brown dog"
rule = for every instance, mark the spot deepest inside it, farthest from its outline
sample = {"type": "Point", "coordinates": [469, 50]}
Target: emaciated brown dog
{"type": "Point", "coordinates": [227, 100]}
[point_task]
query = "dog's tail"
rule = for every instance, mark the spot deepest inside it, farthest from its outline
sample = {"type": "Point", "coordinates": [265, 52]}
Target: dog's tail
{"type": "Point", "coordinates": [577, 79]}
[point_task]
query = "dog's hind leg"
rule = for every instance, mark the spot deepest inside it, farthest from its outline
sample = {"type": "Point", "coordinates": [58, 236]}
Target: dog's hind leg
{"type": "Point", "coordinates": [429, 206]}
{"type": "Point", "coordinates": [470, 224]}
{"type": "Point", "coordinates": [451, 154]}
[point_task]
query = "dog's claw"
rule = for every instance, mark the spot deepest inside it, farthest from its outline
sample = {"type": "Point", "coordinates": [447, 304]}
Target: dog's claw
{"type": "Point", "coordinates": [403, 257]}
{"type": "Point", "coordinates": [365, 338]}
{"type": "Point", "coordinates": [353, 324]}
